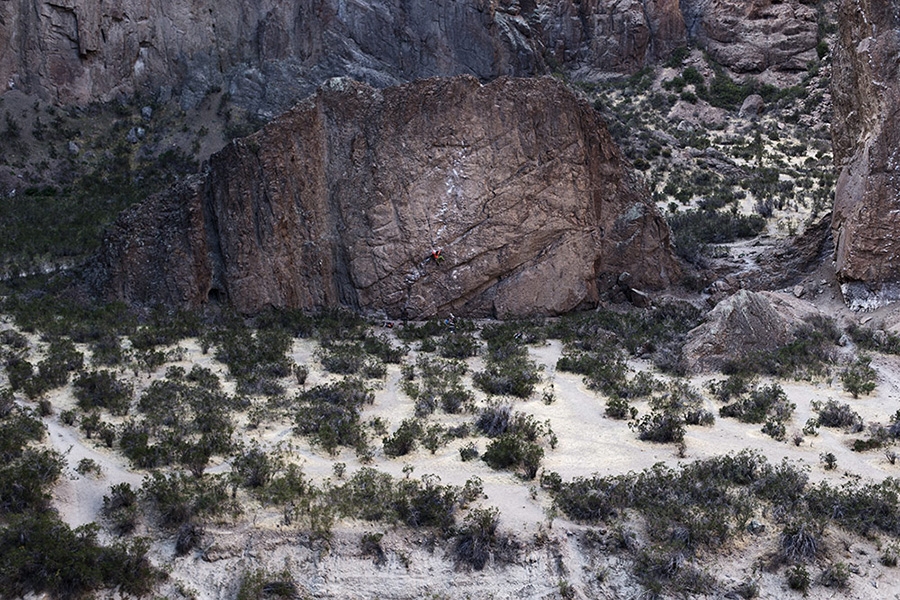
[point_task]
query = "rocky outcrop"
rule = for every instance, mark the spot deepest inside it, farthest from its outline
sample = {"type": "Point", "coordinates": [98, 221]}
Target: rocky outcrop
{"type": "Point", "coordinates": [344, 199]}
{"type": "Point", "coordinates": [265, 54]}
{"type": "Point", "coordinates": [752, 36]}
{"type": "Point", "coordinates": [592, 36]}
{"type": "Point", "coordinates": [866, 135]}
{"type": "Point", "coordinates": [268, 54]}
{"type": "Point", "coordinates": [742, 324]}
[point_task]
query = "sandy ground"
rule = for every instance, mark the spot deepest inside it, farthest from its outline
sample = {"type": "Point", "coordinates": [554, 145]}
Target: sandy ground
{"type": "Point", "coordinates": [417, 567]}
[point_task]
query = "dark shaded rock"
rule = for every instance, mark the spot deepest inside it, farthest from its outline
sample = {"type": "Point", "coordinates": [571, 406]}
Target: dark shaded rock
{"type": "Point", "coordinates": [268, 55]}
{"type": "Point", "coordinates": [866, 135]}
{"type": "Point", "coordinates": [345, 198]}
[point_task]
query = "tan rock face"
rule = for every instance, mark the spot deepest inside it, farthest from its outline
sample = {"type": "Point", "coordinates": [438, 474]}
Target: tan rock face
{"type": "Point", "coordinates": [343, 199]}
{"type": "Point", "coordinates": [866, 134]}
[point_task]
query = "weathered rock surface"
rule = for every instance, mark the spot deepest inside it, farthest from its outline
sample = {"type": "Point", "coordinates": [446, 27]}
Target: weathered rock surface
{"type": "Point", "coordinates": [742, 324]}
{"type": "Point", "coordinates": [751, 36]}
{"type": "Point", "coordinates": [343, 199]}
{"type": "Point", "coordinates": [866, 134]}
{"type": "Point", "coordinates": [268, 54]}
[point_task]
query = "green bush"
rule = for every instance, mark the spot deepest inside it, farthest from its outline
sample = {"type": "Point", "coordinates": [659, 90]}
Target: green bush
{"type": "Point", "coordinates": [832, 414]}
{"type": "Point", "coordinates": [101, 389]}
{"type": "Point", "coordinates": [660, 427]}
{"type": "Point", "coordinates": [263, 585]}
{"type": "Point", "coordinates": [120, 508]}
{"type": "Point", "coordinates": [330, 414]}
{"type": "Point", "coordinates": [44, 555]}
{"type": "Point", "coordinates": [479, 541]}
{"type": "Point", "coordinates": [510, 451]}
{"type": "Point", "coordinates": [798, 578]}
{"type": "Point", "coordinates": [403, 441]}
{"type": "Point", "coordinates": [513, 377]}
{"type": "Point", "coordinates": [178, 499]}
{"type": "Point", "coordinates": [859, 377]}
{"type": "Point", "coordinates": [759, 405]}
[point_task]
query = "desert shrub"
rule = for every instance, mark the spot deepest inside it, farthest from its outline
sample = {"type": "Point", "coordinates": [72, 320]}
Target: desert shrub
{"type": "Point", "coordinates": [660, 427]}
{"type": "Point", "coordinates": [513, 376]}
{"type": "Point", "coordinates": [264, 585]}
{"type": "Point", "coordinates": [679, 398]}
{"type": "Point", "coordinates": [88, 466]}
{"type": "Point", "coordinates": [735, 386]}
{"type": "Point", "coordinates": [829, 461]}
{"type": "Point", "coordinates": [433, 437]}
{"type": "Point", "coordinates": [330, 414]}
{"type": "Point", "coordinates": [694, 230]}
{"type": "Point", "coordinates": [659, 570]}
{"type": "Point", "coordinates": [618, 408]}
{"type": "Point", "coordinates": [251, 358]}
{"type": "Point", "coordinates": [468, 452]}
{"type": "Point", "coordinates": [336, 324]}
{"type": "Point", "coordinates": [120, 508]}
{"type": "Point", "coordinates": [836, 575]}
{"type": "Point", "coordinates": [51, 373]}
{"type": "Point", "coordinates": [188, 537]}
{"type": "Point", "coordinates": [286, 486]}
{"type": "Point", "coordinates": [26, 472]}
{"type": "Point", "coordinates": [101, 389]}
{"type": "Point", "coordinates": [458, 344]}
{"type": "Point", "coordinates": [178, 499]}
{"type": "Point", "coordinates": [832, 414]}
{"type": "Point", "coordinates": [510, 451]}
{"type": "Point", "coordinates": [659, 331]}
{"type": "Point", "coordinates": [876, 340]}
{"type": "Point", "coordinates": [859, 377]}
{"type": "Point", "coordinates": [375, 496]}
{"type": "Point", "coordinates": [342, 359]}
{"type": "Point", "coordinates": [184, 419]}
{"type": "Point", "coordinates": [763, 403]}
{"type": "Point", "coordinates": [798, 578]}
{"type": "Point", "coordinates": [800, 541]}
{"type": "Point", "coordinates": [253, 467]}
{"type": "Point", "coordinates": [604, 370]}
{"type": "Point", "coordinates": [479, 541]}
{"type": "Point", "coordinates": [889, 555]}
{"type": "Point", "coordinates": [107, 350]}
{"type": "Point", "coordinates": [439, 383]}
{"type": "Point", "coordinates": [44, 555]}
{"type": "Point", "coordinates": [494, 420]}
{"type": "Point", "coordinates": [382, 348]}
{"type": "Point", "coordinates": [859, 507]}
{"type": "Point", "coordinates": [403, 441]}
{"type": "Point", "coordinates": [24, 479]}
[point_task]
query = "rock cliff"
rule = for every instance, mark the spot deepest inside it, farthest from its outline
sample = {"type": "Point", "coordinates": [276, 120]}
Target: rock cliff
{"type": "Point", "coordinates": [267, 54]}
{"type": "Point", "coordinates": [866, 136]}
{"type": "Point", "coordinates": [343, 200]}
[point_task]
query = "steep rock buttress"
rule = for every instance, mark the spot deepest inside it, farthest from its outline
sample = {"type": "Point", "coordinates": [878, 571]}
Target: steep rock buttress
{"type": "Point", "coordinates": [866, 135]}
{"type": "Point", "coordinates": [344, 199]}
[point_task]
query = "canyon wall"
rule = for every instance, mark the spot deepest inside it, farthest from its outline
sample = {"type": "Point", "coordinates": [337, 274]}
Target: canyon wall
{"type": "Point", "coordinates": [267, 54]}
{"type": "Point", "coordinates": [343, 199]}
{"type": "Point", "coordinates": [866, 136]}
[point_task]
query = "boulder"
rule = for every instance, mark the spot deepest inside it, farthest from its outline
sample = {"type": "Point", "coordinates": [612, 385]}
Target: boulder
{"type": "Point", "coordinates": [742, 324]}
{"type": "Point", "coordinates": [753, 106]}
{"type": "Point", "coordinates": [439, 196]}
